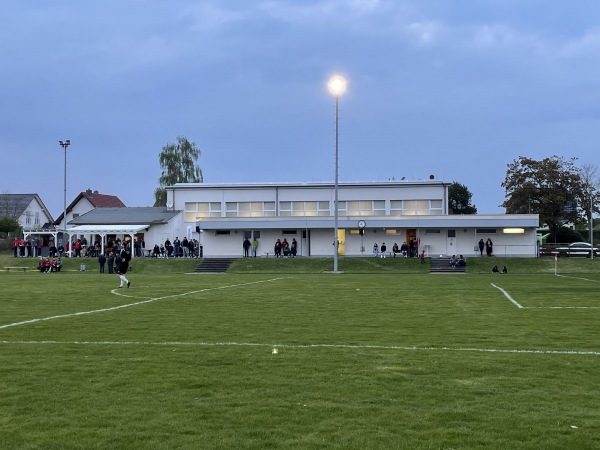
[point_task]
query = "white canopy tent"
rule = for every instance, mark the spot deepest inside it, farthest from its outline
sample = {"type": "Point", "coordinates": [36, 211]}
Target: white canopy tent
{"type": "Point", "coordinates": [104, 230]}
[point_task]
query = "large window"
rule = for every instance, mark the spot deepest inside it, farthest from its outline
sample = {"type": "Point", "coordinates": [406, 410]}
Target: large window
{"type": "Point", "coordinates": [415, 207]}
{"type": "Point", "coordinates": [194, 211]}
{"type": "Point", "coordinates": [303, 209]}
{"type": "Point", "coordinates": [362, 208]}
{"type": "Point", "coordinates": [250, 209]}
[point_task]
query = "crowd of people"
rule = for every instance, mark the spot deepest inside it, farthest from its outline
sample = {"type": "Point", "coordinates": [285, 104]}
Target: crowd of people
{"type": "Point", "coordinates": [27, 248]}
{"type": "Point", "coordinates": [185, 248]}
{"type": "Point", "coordinates": [47, 265]}
{"type": "Point", "coordinates": [410, 250]}
{"type": "Point", "coordinates": [285, 249]}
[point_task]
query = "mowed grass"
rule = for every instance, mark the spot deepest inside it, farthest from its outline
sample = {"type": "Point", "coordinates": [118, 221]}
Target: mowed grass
{"type": "Point", "coordinates": [394, 358]}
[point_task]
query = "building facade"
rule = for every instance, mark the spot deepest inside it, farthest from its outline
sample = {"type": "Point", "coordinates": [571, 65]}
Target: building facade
{"type": "Point", "coordinates": [222, 216]}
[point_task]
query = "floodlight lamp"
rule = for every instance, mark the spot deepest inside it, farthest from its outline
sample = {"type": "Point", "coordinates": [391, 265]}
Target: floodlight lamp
{"type": "Point", "coordinates": [336, 85]}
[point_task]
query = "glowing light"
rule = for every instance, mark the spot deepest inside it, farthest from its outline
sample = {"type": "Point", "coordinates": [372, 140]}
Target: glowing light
{"type": "Point", "coordinates": [337, 85]}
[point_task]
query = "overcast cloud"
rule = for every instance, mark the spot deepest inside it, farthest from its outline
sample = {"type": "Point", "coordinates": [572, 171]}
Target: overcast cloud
{"type": "Point", "coordinates": [457, 89]}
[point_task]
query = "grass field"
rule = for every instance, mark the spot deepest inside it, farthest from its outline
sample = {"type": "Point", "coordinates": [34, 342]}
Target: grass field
{"type": "Point", "coordinates": [384, 355]}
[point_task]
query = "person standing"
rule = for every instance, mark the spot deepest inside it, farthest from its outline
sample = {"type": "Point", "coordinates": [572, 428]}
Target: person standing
{"type": "Point", "coordinates": [277, 248]}
{"type": "Point", "coordinates": [101, 262]}
{"type": "Point", "coordinates": [294, 248]}
{"type": "Point", "coordinates": [16, 247]}
{"type": "Point", "coordinates": [246, 244]}
{"type": "Point", "coordinates": [185, 247]}
{"type": "Point", "coordinates": [177, 245]}
{"type": "Point", "coordinates": [254, 247]}
{"type": "Point", "coordinates": [481, 247]}
{"type": "Point", "coordinates": [111, 262]}
{"type": "Point", "coordinates": [123, 267]}
{"type": "Point", "coordinates": [489, 247]}
{"type": "Point", "coordinates": [383, 249]}
{"type": "Point", "coordinates": [375, 250]}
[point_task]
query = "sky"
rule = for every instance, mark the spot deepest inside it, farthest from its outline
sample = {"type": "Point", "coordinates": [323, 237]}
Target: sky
{"type": "Point", "coordinates": [456, 89]}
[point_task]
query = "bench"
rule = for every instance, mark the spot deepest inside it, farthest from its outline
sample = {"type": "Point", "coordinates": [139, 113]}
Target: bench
{"type": "Point", "coordinates": [16, 268]}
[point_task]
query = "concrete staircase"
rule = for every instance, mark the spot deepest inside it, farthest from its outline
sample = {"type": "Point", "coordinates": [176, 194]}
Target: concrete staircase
{"type": "Point", "coordinates": [442, 265]}
{"type": "Point", "coordinates": [214, 265]}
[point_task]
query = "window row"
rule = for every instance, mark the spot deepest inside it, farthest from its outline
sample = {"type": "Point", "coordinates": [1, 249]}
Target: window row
{"type": "Point", "coordinates": [198, 210]}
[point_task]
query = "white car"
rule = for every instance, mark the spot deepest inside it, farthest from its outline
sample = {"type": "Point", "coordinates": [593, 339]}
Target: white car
{"type": "Point", "coordinates": [577, 249]}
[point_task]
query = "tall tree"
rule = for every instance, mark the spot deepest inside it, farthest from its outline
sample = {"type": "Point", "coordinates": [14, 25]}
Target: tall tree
{"type": "Point", "coordinates": [551, 188]}
{"type": "Point", "coordinates": [459, 199]}
{"type": "Point", "coordinates": [590, 179]}
{"type": "Point", "coordinates": [178, 164]}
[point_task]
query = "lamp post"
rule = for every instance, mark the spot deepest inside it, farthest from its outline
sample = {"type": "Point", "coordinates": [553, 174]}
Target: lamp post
{"type": "Point", "coordinates": [336, 85]}
{"type": "Point", "coordinates": [64, 145]}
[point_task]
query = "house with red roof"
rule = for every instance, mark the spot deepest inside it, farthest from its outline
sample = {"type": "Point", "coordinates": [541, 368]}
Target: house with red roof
{"type": "Point", "coordinates": [87, 201]}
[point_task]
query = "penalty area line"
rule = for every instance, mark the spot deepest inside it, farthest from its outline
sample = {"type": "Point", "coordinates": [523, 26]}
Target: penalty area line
{"type": "Point", "coordinates": [575, 278]}
{"type": "Point", "coordinates": [507, 295]}
{"type": "Point", "coordinates": [129, 305]}
{"type": "Point", "coordinates": [309, 346]}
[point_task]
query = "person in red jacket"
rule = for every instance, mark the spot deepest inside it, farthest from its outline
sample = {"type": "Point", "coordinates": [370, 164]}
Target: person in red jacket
{"type": "Point", "coordinates": [16, 247]}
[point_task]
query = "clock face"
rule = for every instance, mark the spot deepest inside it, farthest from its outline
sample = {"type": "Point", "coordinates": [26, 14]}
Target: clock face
{"type": "Point", "coordinates": [362, 224]}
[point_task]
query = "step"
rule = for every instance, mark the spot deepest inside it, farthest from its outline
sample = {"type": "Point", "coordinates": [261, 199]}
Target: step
{"type": "Point", "coordinates": [214, 265]}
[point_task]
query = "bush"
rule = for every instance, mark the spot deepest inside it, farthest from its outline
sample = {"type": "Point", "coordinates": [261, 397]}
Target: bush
{"type": "Point", "coordinates": [566, 235]}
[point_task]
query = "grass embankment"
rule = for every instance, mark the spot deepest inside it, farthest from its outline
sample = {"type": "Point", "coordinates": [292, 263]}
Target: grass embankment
{"type": "Point", "coordinates": [475, 265]}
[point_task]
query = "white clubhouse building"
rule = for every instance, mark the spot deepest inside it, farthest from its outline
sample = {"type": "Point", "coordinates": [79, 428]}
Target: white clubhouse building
{"type": "Point", "coordinates": [221, 216]}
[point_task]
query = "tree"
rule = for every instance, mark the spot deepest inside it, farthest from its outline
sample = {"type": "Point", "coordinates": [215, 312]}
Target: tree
{"type": "Point", "coordinates": [9, 225]}
{"type": "Point", "coordinates": [590, 179]}
{"type": "Point", "coordinates": [459, 199]}
{"type": "Point", "coordinates": [178, 164]}
{"type": "Point", "coordinates": [551, 188]}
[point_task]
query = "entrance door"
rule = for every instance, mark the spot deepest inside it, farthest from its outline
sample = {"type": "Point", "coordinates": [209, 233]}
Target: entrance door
{"type": "Point", "coordinates": [411, 235]}
{"type": "Point", "coordinates": [341, 242]}
{"type": "Point", "coordinates": [451, 242]}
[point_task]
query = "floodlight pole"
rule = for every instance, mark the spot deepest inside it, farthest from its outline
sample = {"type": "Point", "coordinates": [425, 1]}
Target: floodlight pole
{"type": "Point", "coordinates": [336, 212]}
{"type": "Point", "coordinates": [336, 85]}
{"type": "Point", "coordinates": [64, 145]}
{"type": "Point", "coordinates": [591, 225]}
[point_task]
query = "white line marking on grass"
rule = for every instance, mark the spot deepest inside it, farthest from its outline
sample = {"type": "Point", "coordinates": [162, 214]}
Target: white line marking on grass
{"type": "Point", "coordinates": [114, 308]}
{"type": "Point", "coordinates": [311, 346]}
{"type": "Point", "coordinates": [561, 307]}
{"type": "Point", "coordinates": [576, 278]}
{"type": "Point", "coordinates": [507, 295]}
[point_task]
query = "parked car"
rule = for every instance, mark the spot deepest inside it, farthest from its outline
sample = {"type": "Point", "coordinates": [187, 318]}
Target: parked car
{"type": "Point", "coordinates": [577, 249]}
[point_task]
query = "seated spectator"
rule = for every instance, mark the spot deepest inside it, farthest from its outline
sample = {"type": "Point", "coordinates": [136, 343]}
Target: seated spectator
{"type": "Point", "coordinates": [155, 251]}
{"type": "Point", "coordinates": [504, 269]}
{"type": "Point", "coordinates": [47, 265]}
{"type": "Point", "coordinates": [461, 261]}
{"type": "Point", "coordinates": [453, 261]}
{"type": "Point", "coordinates": [495, 269]}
